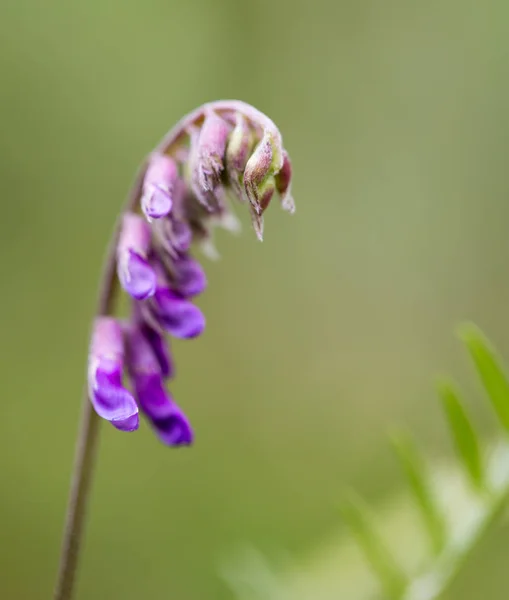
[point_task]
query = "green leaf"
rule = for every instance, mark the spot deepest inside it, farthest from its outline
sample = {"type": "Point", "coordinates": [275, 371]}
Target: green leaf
{"type": "Point", "coordinates": [415, 471]}
{"type": "Point", "coordinates": [463, 433]}
{"type": "Point", "coordinates": [357, 515]}
{"type": "Point", "coordinates": [491, 373]}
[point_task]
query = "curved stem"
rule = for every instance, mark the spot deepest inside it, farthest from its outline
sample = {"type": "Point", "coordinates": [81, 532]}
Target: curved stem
{"type": "Point", "coordinates": [88, 437]}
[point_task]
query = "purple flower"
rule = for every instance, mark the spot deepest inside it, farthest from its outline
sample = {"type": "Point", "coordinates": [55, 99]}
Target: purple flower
{"type": "Point", "coordinates": [169, 422]}
{"type": "Point", "coordinates": [189, 279]}
{"type": "Point", "coordinates": [225, 150]}
{"type": "Point", "coordinates": [135, 273]}
{"type": "Point", "coordinates": [176, 315]}
{"type": "Point", "coordinates": [105, 365]}
{"type": "Point", "coordinates": [160, 179]}
{"type": "Point", "coordinates": [160, 348]}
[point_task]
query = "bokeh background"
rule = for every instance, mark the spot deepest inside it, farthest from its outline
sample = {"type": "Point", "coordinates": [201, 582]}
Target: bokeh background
{"type": "Point", "coordinates": [320, 339]}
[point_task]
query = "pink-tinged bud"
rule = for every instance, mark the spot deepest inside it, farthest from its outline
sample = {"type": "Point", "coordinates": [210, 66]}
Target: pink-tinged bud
{"type": "Point", "coordinates": [283, 184]}
{"type": "Point", "coordinates": [237, 153]}
{"type": "Point", "coordinates": [205, 198]}
{"type": "Point", "coordinates": [265, 191]}
{"type": "Point", "coordinates": [110, 399]}
{"type": "Point", "coordinates": [210, 152]}
{"type": "Point", "coordinates": [134, 271]}
{"type": "Point", "coordinates": [266, 160]}
{"type": "Point", "coordinates": [158, 185]}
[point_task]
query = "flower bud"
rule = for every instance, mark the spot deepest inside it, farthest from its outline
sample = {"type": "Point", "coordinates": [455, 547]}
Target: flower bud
{"type": "Point", "coordinates": [135, 273]}
{"type": "Point", "coordinates": [110, 399]}
{"type": "Point", "coordinates": [160, 179]}
{"type": "Point", "coordinates": [210, 152]}
{"type": "Point", "coordinates": [237, 154]}
{"type": "Point", "coordinates": [266, 160]}
{"type": "Point", "coordinates": [265, 192]}
{"type": "Point", "coordinates": [283, 184]}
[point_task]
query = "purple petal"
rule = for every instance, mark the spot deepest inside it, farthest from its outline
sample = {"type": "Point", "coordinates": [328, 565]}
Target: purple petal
{"type": "Point", "coordinates": [156, 201]}
{"type": "Point", "coordinates": [161, 350]}
{"type": "Point", "coordinates": [181, 235]}
{"type": "Point", "coordinates": [158, 185]}
{"type": "Point", "coordinates": [174, 236]}
{"type": "Point", "coordinates": [190, 278]}
{"type": "Point", "coordinates": [110, 399]}
{"type": "Point", "coordinates": [174, 430]}
{"type": "Point", "coordinates": [136, 276]}
{"type": "Point", "coordinates": [177, 316]}
{"type": "Point", "coordinates": [167, 418]}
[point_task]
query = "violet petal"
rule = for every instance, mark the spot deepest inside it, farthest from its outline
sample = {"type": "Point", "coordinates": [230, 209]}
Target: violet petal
{"type": "Point", "coordinates": [177, 316]}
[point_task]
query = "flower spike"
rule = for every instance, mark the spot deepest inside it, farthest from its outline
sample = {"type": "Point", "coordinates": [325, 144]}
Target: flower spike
{"type": "Point", "coordinates": [224, 150]}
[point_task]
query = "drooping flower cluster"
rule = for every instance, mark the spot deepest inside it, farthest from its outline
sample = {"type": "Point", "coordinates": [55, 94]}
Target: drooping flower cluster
{"type": "Point", "coordinates": [223, 150]}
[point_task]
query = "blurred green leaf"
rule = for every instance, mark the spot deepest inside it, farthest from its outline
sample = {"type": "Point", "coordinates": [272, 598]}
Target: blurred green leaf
{"type": "Point", "coordinates": [415, 471]}
{"type": "Point", "coordinates": [357, 515]}
{"type": "Point", "coordinates": [455, 516]}
{"type": "Point", "coordinates": [490, 371]}
{"type": "Point", "coordinates": [463, 433]}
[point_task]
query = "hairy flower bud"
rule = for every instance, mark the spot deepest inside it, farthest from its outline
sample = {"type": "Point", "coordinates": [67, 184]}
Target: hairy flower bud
{"type": "Point", "coordinates": [135, 273]}
{"type": "Point", "coordinates": [283, 184]}
{"type": "Point", "coordinates": [169, 422]}
{"type": "Point", "coordinates": [210, 152]}
{"type": "Point", "coordinates": [266, 160]}
{"type": "Point", "coordinates": [158, 185]}
{"type": "Point", "coordinates": [237, 153]}
{"type": "Point", "coordinates": [105, 366]}
{"type": "Point", "coordinates": [265, 193]}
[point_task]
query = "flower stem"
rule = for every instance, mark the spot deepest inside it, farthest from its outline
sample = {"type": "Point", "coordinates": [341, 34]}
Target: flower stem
{"type": "Point", "coordinates": [88, 437]}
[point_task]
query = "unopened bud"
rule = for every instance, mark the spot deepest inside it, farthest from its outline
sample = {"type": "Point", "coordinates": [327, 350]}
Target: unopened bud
{"type": "Point", "coordinates": [265, 161]}
{"type": "Point", "coordinates": [160, 179]}
{"type": "Point", "coordinates": [211, 149]}
{"type": "Point", "coordinates": [237, 154]}
{"type": "Point", "coordinates": [283, 184]}
{"type": "Point", "coordinates": [135, 273]}
{"type": "Point", "coordinates": [265, 193]}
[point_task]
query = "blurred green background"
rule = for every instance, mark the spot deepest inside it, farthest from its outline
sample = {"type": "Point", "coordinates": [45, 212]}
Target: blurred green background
{"type": "Point", "coordinates": [395, 114]}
